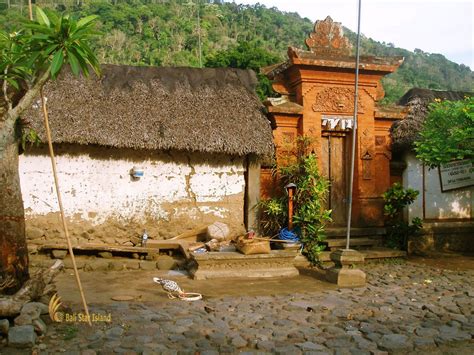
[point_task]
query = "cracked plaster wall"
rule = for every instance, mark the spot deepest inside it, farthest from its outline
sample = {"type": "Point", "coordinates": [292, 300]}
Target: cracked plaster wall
{"type": "Point", "coordinates": [103, 203]}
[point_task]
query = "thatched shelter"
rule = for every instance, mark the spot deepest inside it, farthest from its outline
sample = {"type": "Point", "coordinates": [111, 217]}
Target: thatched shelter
{"type": "Point", "coordinates": [189, 109]}
{"type": "Point", "coordinates": [405, 132]}
{"type": "Point", "coordinates": [198, 135]}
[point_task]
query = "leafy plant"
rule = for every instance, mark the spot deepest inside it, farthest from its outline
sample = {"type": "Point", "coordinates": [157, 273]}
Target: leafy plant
{"type": "Point", "coordinates": [62, 40]}
{"type": "Point", "coordinates": [70, 332]}
{"type": "Point", "coordinates": [29, 137]}
{"type": "Point", "coordinates": [398, 231]}
{"type": "Point", "coordinates": [310, 216]}
{"type": "Point", "coordinates": [447, 133]}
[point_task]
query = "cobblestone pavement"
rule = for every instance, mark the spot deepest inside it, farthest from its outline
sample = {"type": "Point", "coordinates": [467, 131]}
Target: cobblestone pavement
{"type": "Point", "coordinates": [404, 309]}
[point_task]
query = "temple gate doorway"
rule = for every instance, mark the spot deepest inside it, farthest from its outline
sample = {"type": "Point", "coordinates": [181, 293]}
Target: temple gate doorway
{"type": "Point", "coordinates": [335, 168]}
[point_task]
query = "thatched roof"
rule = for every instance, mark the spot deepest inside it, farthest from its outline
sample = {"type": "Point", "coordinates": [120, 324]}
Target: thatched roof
{"type": "Point", "coordinates": [405, 132]}
{"type": "Point", "coordinates": [188, 109]}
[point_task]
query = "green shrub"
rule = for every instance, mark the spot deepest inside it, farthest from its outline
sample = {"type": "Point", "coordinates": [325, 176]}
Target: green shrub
{"type": "Point", "coordinates": [310, 215]}
{"type": "Point", "coordinates": [398, 231]}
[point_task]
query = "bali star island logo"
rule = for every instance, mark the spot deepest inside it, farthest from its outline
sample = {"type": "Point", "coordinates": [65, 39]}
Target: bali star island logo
{"type": "Point", "coordinates": [53, 308]}
{"type": "Point", "coordinates": [57, 316]}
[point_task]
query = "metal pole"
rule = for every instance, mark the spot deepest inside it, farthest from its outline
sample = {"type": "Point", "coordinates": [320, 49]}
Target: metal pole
{"type": "Point", "coordinates": [354, 133]}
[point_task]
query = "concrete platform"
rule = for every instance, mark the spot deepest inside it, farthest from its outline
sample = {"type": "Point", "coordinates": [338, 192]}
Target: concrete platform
{"type": "Point", "coordinates": [375, 253]}
{"type": "Point", "coordinates": [214, 265]}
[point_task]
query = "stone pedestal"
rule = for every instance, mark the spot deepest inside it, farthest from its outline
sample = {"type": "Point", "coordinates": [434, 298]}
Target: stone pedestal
{"type": "Point", "coordinates": [213, 265]}
{"type": "Point", "coordinates": [343, 273]}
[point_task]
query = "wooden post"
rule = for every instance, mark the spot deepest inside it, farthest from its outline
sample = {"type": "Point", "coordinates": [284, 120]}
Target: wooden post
{"type": "Point", "coordinates": [290, 209]}
{"type": "Point", "coordinates": [63, 218]}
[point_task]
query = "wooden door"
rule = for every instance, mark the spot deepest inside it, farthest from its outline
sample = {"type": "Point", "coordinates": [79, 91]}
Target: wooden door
{"type": "Point", "coordinates": [335, 164]}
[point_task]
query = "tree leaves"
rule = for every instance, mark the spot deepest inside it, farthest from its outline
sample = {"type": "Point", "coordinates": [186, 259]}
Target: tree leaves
{"type": "Point", "coordinates": [86, 20]}
{"type": "Point", "coordinates": [246, 56]}
{"type": "Point", "coordinates": [41, 17]}
{"type": "Point", "coordinates": [57, 40]}
{"type": "Point", "coordinates": [45, 45]}
{"type": "Point", "coordinates": [57, 63]}
{"type": "Point", "coordinates": [447, 133]}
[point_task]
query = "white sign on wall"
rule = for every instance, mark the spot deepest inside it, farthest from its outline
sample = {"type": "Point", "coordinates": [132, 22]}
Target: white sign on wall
{"type": "Point", "coordinates": [456, 174]}
{"type": "Point", "coordinates": [337, 123]}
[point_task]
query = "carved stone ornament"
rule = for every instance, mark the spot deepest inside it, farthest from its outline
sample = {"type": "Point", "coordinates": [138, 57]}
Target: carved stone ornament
{"type": "Point", "coordinates": [328, 38]}
{"type": "Point", "coordinates": [336, 99]}
{"type": "Point", "coordinates": [366, 145]}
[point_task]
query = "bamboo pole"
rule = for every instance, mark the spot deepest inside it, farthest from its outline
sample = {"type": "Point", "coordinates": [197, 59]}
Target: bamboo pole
{"type": "Point", "coordinates": [63, 218]}
{"type": "Point", "coordinates": [30, 10]}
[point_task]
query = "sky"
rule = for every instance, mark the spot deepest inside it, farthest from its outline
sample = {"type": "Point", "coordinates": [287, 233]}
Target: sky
{"type": "Point", "coordinates": [434, 26]}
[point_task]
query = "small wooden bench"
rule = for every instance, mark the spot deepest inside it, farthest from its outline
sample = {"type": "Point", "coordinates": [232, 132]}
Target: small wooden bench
{"type": "Point", "coordinates": [153, 247]}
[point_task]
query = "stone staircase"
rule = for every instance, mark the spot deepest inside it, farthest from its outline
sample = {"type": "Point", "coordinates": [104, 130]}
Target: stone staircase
{"type": "Point", "coordinates": [361, 238]}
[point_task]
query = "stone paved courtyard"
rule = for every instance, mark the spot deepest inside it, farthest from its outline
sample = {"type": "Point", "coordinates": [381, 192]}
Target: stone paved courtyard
{"type": "Point", "coordinates": [405, 308]}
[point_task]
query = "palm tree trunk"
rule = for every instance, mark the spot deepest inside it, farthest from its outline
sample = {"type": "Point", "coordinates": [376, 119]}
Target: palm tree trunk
{"type": "Point", "coordinates": [13, 248]}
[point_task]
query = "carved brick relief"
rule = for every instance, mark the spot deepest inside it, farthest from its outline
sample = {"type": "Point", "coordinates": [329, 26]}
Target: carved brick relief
{"type": "Point", "coordinates": [336, 99]}
{"type": "Point", "coordinates": [366, 145]}
{"type": "Point", "coordinates": [382, 146]}
{"type": "Point", "coordinates": [328, 37]}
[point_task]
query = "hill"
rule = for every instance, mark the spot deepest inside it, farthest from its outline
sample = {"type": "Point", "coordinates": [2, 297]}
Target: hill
{"type": "Point", "coordinates": [166, 33]}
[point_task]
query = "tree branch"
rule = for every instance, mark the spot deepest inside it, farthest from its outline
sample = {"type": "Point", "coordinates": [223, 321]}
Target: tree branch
{"type": "Point", "coordinates": [28, 98]}
{"type": "Point", "coordinates": [7, 127]}
{"type": "Point", "coordinates": [5, 90]}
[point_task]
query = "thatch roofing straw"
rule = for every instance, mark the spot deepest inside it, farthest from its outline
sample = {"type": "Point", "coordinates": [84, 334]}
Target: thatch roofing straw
{"type": "Point", "coordinates": [188, 109]}
{"type": "Point", "coordinates": [405, 132]}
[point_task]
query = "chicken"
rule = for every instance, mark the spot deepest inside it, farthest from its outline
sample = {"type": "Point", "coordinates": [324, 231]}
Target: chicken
{"type": "Point", "coordinates": [171, 287]}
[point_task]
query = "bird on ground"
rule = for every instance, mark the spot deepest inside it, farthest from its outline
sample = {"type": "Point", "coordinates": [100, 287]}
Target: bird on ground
{"type": "Point", "coordinates": [171, 287]}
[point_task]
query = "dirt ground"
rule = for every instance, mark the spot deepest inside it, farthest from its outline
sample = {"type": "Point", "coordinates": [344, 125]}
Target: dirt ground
{"type": "Point", "coordinates": [448, 261]}
{"type": "Point", "coordinates": [101, 286]}
{"type": "Point", "coordinates": [247, 314]}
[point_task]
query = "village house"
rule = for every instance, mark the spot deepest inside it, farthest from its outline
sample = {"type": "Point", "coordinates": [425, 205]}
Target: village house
{"type": "Point", "coordinates": [445, 204]}
{"type": "Point", "coordinates": [317, 101]}
{"type": "Point", "coordinates": [143, 148]}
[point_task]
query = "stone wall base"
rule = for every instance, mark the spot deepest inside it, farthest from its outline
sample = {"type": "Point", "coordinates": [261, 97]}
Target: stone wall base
{"type": "Point", "coordinates": [446, 236]}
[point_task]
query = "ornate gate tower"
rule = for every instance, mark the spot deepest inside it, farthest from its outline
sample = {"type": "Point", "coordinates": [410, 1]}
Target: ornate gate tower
{"type": "Point", "coordinates": [317, 100]}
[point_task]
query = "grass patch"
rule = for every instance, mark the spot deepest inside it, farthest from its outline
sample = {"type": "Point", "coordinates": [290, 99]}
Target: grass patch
{"type": "Point", "coordinates": [70, 332]}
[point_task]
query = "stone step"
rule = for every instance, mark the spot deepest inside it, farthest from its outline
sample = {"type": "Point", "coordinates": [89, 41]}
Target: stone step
{"type": "Point", "coordinates": [214, 265]}
{"type": "Point", "coordinates": [375, 253]}
{"type": "Point", "coordinates": [337, 243]}
{"type": "Point", "coordinates": [334, 232]}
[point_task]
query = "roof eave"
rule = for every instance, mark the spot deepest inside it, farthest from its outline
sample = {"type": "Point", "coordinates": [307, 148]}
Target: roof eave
{"type": "Point", "coordinates": [389, 67]}
{"type": "Point", "coordinates": [391, 114]}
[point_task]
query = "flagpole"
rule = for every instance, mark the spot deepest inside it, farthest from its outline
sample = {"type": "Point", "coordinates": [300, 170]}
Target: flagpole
{"type": "Point", "coordinates": [354, 133]}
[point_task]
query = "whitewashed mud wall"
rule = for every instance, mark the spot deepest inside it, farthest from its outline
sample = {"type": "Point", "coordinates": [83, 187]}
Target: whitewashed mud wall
{"type": "Point", "coordinates": [104, 203]}
{"type": "Point", "coordinates": [455, 204]}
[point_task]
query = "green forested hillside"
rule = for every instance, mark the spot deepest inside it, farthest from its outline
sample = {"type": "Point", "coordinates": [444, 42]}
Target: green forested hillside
{"type": "Point", "coordinates": [166, 33]}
